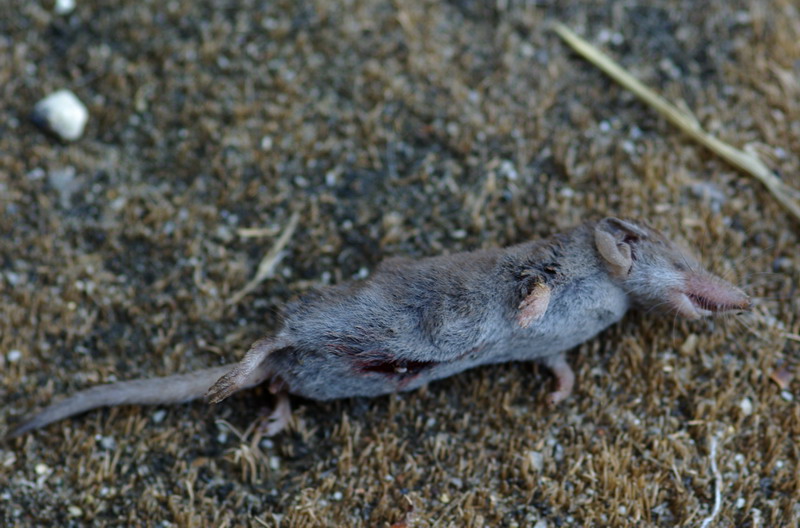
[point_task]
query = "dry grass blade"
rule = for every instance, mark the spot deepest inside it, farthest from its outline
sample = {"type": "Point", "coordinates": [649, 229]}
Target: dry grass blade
{"type": "Point", "coordinates": [256, 232]}
{"type": "Point", "coordinates": [266, 267]}
{"type": "Point", "coordinates": [749, 162]}
{"type": "Point", "coordinates": [717, 485]}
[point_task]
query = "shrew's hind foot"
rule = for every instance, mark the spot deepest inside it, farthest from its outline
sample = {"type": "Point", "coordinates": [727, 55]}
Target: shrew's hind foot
{"type": "Point", "coordinates": [278, 419]}
{"type": "Point", "coordinates": [249, 372]}
{"type": "Point", "coordinates": [224, 387]}
{"type": "Point", "coordinates": [565, 378]}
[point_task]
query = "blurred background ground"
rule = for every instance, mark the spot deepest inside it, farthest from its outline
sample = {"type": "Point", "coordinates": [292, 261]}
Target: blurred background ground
{"type": "Point", "coordinates": [393, 128]}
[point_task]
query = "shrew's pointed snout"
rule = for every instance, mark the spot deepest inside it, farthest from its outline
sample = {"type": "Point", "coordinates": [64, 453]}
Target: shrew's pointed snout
{"type": "Point", "coordinates": [706, 294]}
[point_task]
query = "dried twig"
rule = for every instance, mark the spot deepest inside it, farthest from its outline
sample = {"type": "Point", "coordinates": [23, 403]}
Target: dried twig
{"type": "Point", "coordinates": [745, 160]}
{"type": "Point", "coordinates": [793, 337]}
{"type": "Point", "coordinates": [717, 485]}
{"type": "Point", "coordinates": [270, 261]}
{"type": "Point", "coordinates": [256, 232]}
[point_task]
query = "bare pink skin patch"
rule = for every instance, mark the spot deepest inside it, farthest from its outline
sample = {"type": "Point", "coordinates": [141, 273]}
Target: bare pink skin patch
{"type": "Point", "coordinates": [704, 294]}
{"type": "Point", "coordinates": [533, 307]}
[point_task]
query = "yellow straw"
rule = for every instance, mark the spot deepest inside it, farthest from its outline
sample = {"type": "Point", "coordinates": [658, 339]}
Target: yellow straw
{"type": "Point", "coordinates": [748, 161]}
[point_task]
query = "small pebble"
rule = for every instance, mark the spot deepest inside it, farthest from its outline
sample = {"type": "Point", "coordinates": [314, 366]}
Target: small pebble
{"type": "Point", "coordinates": [337, 496]}
{"type": "Point", "coordinates": [108, 442]}
{"type": "Point", "coordinates": [74, 511]}
{"type": "Point", "coordinates": [629, 146]}
{"type": "Point", "coordinates": [784, 264]}
{"type": "Point", "coordinates": [14, 355]}
{"type": "Point", "coordinates": [64, 7]}
{"type": "Point", "coordinates": [708, 191]}
{"type": "Point", "coordinates": [159, 416]}
{"type": "Point", "coordinates": [63, 114]}
{"type": "Point", "coordinates": [66, 183]}
{"type": "Point", "coordinates": [8, 459]}
{"type": "Point", "coordinates": [36, 174]}
{"type": "Point", "coordinates": [536, 459]}
{"type": "Point", "coordinates": [746, 406]}
{"type": "Point", "coordinates": [508, 170]}
{"type": "Point", "coordinates": [41, 469]}
{"type": "Point", "coordinates": [786, 395]}
{"type": "Point", "coordinates": [274, 463]}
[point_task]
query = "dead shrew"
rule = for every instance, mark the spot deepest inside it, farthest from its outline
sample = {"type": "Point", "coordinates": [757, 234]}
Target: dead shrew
{"type": "Point", "coordinates": [414, 321]}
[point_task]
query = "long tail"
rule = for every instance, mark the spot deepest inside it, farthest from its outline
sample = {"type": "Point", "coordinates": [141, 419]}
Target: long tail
{"type": "Point", "coordinates": [154, 391]}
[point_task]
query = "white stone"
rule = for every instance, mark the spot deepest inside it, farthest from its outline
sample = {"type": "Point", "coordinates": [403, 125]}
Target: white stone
{"type": "Point", "coordinates": [746, 406]}
{"type": "Point", "coordinates": [508, 170]}
{"type": "Point", "coordinates": [62, 113]}
{"type": "Point", "coordinates": [108, 443]}
{"type": "Point", "coordinates": [64, 7]}
{"type": "Point", "coordinates": [536, 460]}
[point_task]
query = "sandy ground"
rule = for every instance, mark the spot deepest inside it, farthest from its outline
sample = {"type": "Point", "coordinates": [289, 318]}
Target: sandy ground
{"type": "Point", "coordinates": [392, 128]}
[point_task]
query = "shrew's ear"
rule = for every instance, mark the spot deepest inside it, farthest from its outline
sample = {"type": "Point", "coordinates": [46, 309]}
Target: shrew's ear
{"type": "Point", "coordinates": [613, 238]}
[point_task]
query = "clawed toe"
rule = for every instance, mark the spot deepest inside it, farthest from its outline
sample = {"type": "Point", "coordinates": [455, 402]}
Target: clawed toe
{"type": "Point", "coordinates": [556, 397]}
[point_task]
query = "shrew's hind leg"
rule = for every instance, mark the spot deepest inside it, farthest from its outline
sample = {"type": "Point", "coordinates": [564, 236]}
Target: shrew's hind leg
{"type": "Point", "coordinates": [249, 372]}
{"type": "Point", "coordinates": [565, 378]}
{"type": "Point", "coordinates": [278, 419]}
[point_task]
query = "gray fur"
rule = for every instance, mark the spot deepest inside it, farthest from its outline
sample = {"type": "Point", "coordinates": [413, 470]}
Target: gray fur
{"type": "Point", "coordinates": [414, 321]}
